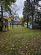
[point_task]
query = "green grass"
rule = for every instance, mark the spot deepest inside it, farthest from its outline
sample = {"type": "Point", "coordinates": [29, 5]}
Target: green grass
{"type": "Point", "coordinates": [20, 41]}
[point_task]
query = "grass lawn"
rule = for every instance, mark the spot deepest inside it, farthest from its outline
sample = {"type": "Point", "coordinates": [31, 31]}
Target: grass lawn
{"type": "Point", "coordinates": [20, 41]}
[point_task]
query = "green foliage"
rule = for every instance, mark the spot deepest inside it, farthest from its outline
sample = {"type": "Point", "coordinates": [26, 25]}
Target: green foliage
{"type": "Point", "coordinates": [27, 8]}
{"type": "Point", "coordinates": [7, 3]}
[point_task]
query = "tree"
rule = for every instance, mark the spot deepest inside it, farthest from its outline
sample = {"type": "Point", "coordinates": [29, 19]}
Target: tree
{"type": "Point", "coordinates": [5, 4]}
{"type": "Point", "coordinates": [14, 8]}
{"type": "Point", "coordinates": [29, 9]}
{"type": "Point", "coordinates": [26, 11]}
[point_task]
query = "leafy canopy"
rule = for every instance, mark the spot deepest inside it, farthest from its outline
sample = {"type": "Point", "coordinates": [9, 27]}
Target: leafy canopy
{"type": "Point", "coordinates": [7, 3]}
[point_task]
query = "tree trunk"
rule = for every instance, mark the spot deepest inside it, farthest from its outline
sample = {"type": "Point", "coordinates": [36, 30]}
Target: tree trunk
{"type": "Point", "coordinates": [1, 19]}
{"type": "Point", "coordinates": [27, 23]}
{"type": "Point", "coordinates": [32, 20]}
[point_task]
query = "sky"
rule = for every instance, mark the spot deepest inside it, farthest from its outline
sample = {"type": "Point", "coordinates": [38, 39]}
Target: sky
{"type": "Point", "coordinates": [40, 2]}
{"type": "Point", "coordinates": [20, 4]}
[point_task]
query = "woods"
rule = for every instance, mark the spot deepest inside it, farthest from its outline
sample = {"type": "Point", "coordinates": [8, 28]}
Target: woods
{"type": "Point", "coordinates": [31, 9]}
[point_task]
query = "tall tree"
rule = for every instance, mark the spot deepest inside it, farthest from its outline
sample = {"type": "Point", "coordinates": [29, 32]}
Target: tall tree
{"type": "Point", "coordinates": [5, 4]}
{"type": "Point", "coordinates": [28, 10]}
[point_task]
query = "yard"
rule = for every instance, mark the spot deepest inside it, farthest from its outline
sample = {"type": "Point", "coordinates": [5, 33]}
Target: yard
{"type": "Point", "coordinates": [20, 41]}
